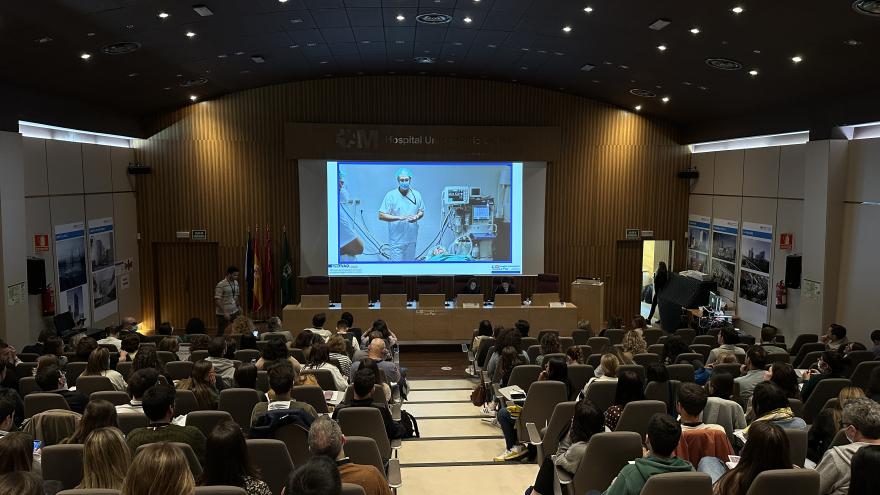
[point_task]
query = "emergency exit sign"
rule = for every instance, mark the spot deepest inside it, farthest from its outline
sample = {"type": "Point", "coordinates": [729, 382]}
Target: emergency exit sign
{"type": "Point", "coordinates": [199, 235]}
{"type": "Point", "coordinates": [632, 234]}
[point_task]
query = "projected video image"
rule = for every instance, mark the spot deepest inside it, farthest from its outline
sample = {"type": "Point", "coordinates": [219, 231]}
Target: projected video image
{"type": "Point", "coordinates": [424, 218]}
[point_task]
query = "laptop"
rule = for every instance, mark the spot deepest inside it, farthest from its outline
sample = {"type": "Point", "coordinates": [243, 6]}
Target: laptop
{"type": "Point", "coordinates": [316, 301]}
{"type": "Point", "coordinates": [392, 300]}
{"type": "Point", "coordinates": [355, 301]}
{"type": "Point", "coordinates": [508, 300]}
{"type": "Point", "coordinates": [432, 300]}
{"type": "Point", "coordinates": [469, 299]}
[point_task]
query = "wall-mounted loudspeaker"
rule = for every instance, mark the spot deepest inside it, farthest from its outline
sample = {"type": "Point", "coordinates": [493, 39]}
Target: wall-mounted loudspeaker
{"type": "Point", "coordinates": [36, 275]}
{"type": "Point", "coordinates": [689, 174]}
{"type": "Point", "coordinates": [139, 169]}
{"type": "Point", "coordinates": [793, 271]}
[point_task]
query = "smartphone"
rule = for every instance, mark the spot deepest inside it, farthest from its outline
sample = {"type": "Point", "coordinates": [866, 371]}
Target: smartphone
{"type": "Point", "coordinates": [517, 396]}
{"type": "Point", "coordinates": [37, 445]}
{"type": "Point", "coordinates": [256, 333]}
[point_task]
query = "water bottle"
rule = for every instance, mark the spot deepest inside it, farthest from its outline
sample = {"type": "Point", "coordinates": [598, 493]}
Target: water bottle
{"type": "Point", "coordinates": [396, 355]}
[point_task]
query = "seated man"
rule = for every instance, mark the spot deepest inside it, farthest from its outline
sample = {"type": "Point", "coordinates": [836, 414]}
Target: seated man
{"type": "Point", "coordinates": [140, 381]}
{"type": "Point", "coordinates": [273, 324]}
{"type": "Point", "coordinates": [7, 416]}
{"type": "Point", "coordinates": [861, 420]}
{"type": "Point", "coordinates": [318, 321]}
{"type": "Point", "coordinates": [768, 340]}
{"type": "Point", "coordinates": [662, 439]}
{"type": "Point", "coordinates": [158, 403]}
{"type": "Point", "coordinates": [376, 352]}
{"type": "Point", "coordinates": [51, 380]}
{"type": "Point", "coordinates": [326, 438]}
{"type": "Point", "coordinates": [756, 361]}
{"type": "Point", "coordinates": [223, 367]}
{"type": "Point", "coordinates": [318, 476]}
{"type": "Point", "coordinates": [342, 328]}
{"type": "Point", "coordinates": [363, 382]}
{"type": "Point", "coordinates": [698, 439]}
{"type": "Point", "coordinates": [281, 380]}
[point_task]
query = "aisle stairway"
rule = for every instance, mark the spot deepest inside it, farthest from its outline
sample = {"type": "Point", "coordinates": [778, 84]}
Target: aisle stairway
{"type": "Point", "coordinates": [455, 451]}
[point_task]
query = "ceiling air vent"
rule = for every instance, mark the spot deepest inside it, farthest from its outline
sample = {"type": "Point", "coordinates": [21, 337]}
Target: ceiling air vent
{"type": "Point", "coordinates": [867, 7]}
{"type": "Point", "coordinates": [120, 48]}
{"type": "Point", "coordinates": [723, 64]}
{"type": "Point", "coordinates": [189, 83]}
{"type": "Point", "coordinates": [425, 60]}
{"type": "Point", "coordinates": [644, 93]}
{"type": "Point", "coordinates": [434, 18]}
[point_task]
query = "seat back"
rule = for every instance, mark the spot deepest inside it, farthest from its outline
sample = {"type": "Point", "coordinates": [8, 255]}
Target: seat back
{"type": "Point", "coordinates": [352, 489]}
{"type": "Point", "coordinates": [565, 343]}
{"type": "Point", "coordinates": [775, 481]}
{"type": "Point", "coordinates": [602, 393]}
{"type": "Point", "coordinates": [73, 370]}
{"type": "Point", "coordinates": [804, 338]}
{"type": "Point", "coordinates": [87, 385]}
{"type": "Point", "coordinates": [533, 352]}
{"type": "Point", "coordinates": [63, 463]}
{"type": "Point", "coordinates": [27, 385]}
{"type": "Point", "coordinates": [365, 422]}
{"type": "Point", "coordinates": [580, 337]}
{"type": "Point", "coordinates": [112, 396]}
{"type": "Point", "coordinates": [246, 355]}
{"type": "Point", "coordinates": [185, 402]}
{"type": "Point", "coordinates": [708, 340]}
{"type": "Point", "coordinates": [857, 357]}
{"type": "Point", "coordinates": [579, 375]}
{"type": "Point", "coordinates": [296, 439]}
{"type": "Point", "coordinates": [701, 349]}
{"type": "Point", "coordinates": [239, 403]}
{"type": "Point", "coordinates": [797, 407]}
{"type": "Point", "coordinates": [637, 368]}
{"type": "Point", "coordinates": [652, 335]}
{"type": "Point", "coordinates": [124, 369]}
{"type": "Point", "coordinates": [860, 377]}
{"type": "Point", "coordinates": [364, 451]}
{"type": "Point", "coordinates": [797, 441]}
{"type": "Point", "coordinates": [524, 375]}
{"type": "Point", "coordinates": [606, 455]}
{"type": "Point", "coordinates": [527, 342]}
{"type": "Point", "coordinates": [324, 378]}
{"type": "Point", "coordinates": [594, 360]}
{"type": "Point", "coordinates": [646, 359]}
{"type": "Point", "coordinates": [599, 344]}
{"type": "Point", "coordinates": [378, 395]}
{"type": "Point", "coordinates": [273, 461]}
{"type": "Point", "coordinates": [263, 381]}
{"type": "Point", "coordinates": [129, 421]}
{"type": "Point", "coordinates": [482, 353]}
{"type": "Point", "coordinates": [179, 370]}
{"type": "Point", "coordinates": [198, 355]}
{"type": "Point", "coordinates": [681, 372]}
{"type": "Point", "coordinates": [298, 354]}
{"type": "Point", "coordinates": [805, 350]}
{"type": "Point", "coordinates": [687, 335]}
{"type": "Point", "coordinates": [38, 402]}
{"type": "Point", "coordinates": [660, 391]}
{"type": "Point", "coordinates": [166, 357]}
{"type": "Point", "coordinates": [312, 395]}
{"type": "Point", "coordinates": [778, 357]}
{"type": "Point", "coordinates": [656, 349]}
{"type": "Point", "coordinates": [824, 390]}
{"type": "Point", "coordinates": [687, 483]}
{"type": "Point", "coordinates": [559, 419]}
{"type": "Point", "coordinates": [688, 357]}
{"type": "Point", "coordinates": [614, 336]}
{"type": "Point", "coordinates": [733, 369]}
{"type": "Point", "coordinates": [219, 490]}
{"type": "Point", "coordinates": [637, 414]}
{"type": "Point", "coordinates": [194, 465]}
{"type": "Point", "coordinates": [541, 400]}
{"type": "Point", "coordinates": [25, 369]}
{"type": "Point", "coordinates": [205, 421]}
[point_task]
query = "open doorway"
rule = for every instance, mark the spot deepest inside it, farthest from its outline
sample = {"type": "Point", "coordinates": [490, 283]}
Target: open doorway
{"type": "Point", "coordinates": [653, 252]}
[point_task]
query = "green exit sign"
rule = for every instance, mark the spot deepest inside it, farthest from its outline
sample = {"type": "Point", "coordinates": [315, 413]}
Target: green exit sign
{"type": "Point", "coordinates": [199, 235]}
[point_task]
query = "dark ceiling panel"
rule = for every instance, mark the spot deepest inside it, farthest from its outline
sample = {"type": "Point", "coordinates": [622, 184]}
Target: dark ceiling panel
{"type": "Point", "coordinates": [365, 17]}
{"type": "Point", "coordinates": [330, 17]}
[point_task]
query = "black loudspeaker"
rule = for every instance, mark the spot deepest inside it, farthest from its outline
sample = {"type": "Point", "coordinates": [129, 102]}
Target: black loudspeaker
{"type": "Point", "coordinates": [689, 174]}
{"type": "Point", "coordinates": [793, 271]}
{"type": "Point", "coordinates": [36, 275]}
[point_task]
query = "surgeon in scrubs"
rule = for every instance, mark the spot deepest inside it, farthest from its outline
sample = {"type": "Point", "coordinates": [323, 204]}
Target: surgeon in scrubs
{"type": "Point", "coordinates": [350, 244]}
{"type": "Point", "coordinates": [402, 208]}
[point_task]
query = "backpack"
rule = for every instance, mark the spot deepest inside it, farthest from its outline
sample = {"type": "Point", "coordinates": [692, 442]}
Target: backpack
{"type": "Point", "coordinates": [268, 423]}
{"type": "Point", "coordinates": [410, 425]}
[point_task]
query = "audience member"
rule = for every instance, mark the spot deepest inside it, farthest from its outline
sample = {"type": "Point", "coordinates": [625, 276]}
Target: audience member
{"type": "Point", "coordinates": [202, 382]}
{"type": "Point", "coordinates": [129, 347]}
{"type": "Point", "coordinates": [84, 349]}
{"type": "Point", "coordinates": [767, 449]}
{"type": "Point", "coordinates": [656, 373]}
{"type": "Point", "coordinates": [52, 380]}
{"type": "Point", "coordinates": [828, 423]}
{"type": "Point", "coordinates": [318, 321]}
{"type": "Point", "coordinates": [509, 360]}
{"type": "Point", "coordinates": [639, 324]}
{"type": "Point", "coordinates": [342, 327]}
{"type": "Point", "coordinates": [770, 404]}
{"type": "Point", "coordinates": [585, 325]}
{"type": "Point", "coordinates": [606, 372]}
{"type": "Point", "coordinates": [170, 344]}
{"type": "Point", "coordinates": [158, 403]}
{"type": "Point", "coordinates": [303, 341]}
{"type": "Point", "coordinates": [549, 345]}
{"type": "Point", "coordinates": [861, 420]}
{"type": "Point", "coordinates": [634, 343]}
{"type": "Point", "coordinates": [875, 340]}
{"type": "Point", "coordinates": [273, 324]}
{"type": "Point", "coordinates": [523, 327]}
{"type": "Point", "coordinates": [281, 380]}
{"type": "Point", "coordinates": [830, 365]}
{"type": "Point", "coordinates": [318, 476]}
{"type": "Point", "coordinates": [721, 386]}
{"type": "Point", "coordinates": [159, 469]}
{"type": "Point", "coordinates": [556, 369]}
{"type": "Point", "coordinates": [672, 347]}
{"type": "Point", "coordinates": [575, 355]}
{"type": "Point", "coordinates": [865, 473]}
{"type": "Point", "coordinates": [373, 365]}
{"type": "Point", "coordinates": [106, 459]}
{"type": "Point", "coordinates": [756, 360]}
{"type": "Point", "coordinates": [339, 352]}
{"type": "Point", "coordinates": [21, 483]}
{"type": "Point", "coordinates": [630, 388]}
{"type": "Point", "coordinates": [874, 385]}
{"type": "Point", "coordinates": [472, 287]}
{"type": "Point", "coordinates": [7, 415]}
{"type": "Point", "coordinates": [727, 340]}
{"type": "Point", "coordinates": [98, 414]}
{"type": "Point", "coordinates": [692, 400]}
{"type": "Point", "coordinates": [326, 439]}
{"type": "Point", "coordinates": [99, 365]}
{"type": "Point", "coordinates": [662, 439]}
{"type": "Point", "coordinates": [506, 287]}
{"type": "Point", "coordinates": [16, 452]}
{"type": "Point", "coordinates": [112, 337]}
{"type": "Point", "coordinates": [319, 359]}
{"type": "Point", "coordinates": [165, 328]}
{"type": "Point", "coordinates": [363, 382]}
{"type": "Point", "coordinates": [783, 375]}
{"type": "Point", "coordinates": [129, 325]}
{"type": "Point", "coordinates": [587, 421]}
{"type": "Point", "coordinates": [195, 326]}
{"type": "Point", "coordinates": [484, 330]}
{"type": "Point", "coordinates": [242, 325]}
{"type": "Point", "coordinates": [228, 462]}
{"type": "Point", "coordinates": [614, 323]}
{"type": "Point", "coordinates": [138, 384]}
{"type": "Point", "coordinates": [506, 338]}
{"type": "Point", "coordinates": [376, 351]}
{"type": "Point", "coordinates": [55, 347]}
{"type": "Point", "coordinates": [223, 367]}
{"type": "Point", "coordinates": [768, 340]}
{"type": "Point", "coordinates": [276, 350]}
{"type": "Point", "coordinates": [834, 337]}
{"type": "Point", "coordinates": [245, 376]}
{"type": "Point", "coordinates": [699, 438]}
{"type": "Point", "coordinates": [148, 357]}
{"type": "Point", "coordinates": [39, 347]}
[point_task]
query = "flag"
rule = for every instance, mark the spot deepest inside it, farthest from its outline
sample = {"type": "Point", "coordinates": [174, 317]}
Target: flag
{"type": "Point", "coordinates": [258, 275]}
{"type": "Point", "coordinates": [249, 271]}
{"type": "Point", "coordinates": [286, 272]}
{"type": "Point", "coordinates": [268, 277]}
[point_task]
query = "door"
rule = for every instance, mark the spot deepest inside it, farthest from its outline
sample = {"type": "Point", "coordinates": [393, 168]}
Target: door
{"type": "Point", "coordinates": [185, 276]}
{"type": "Point", "coordinates": [653, 253]}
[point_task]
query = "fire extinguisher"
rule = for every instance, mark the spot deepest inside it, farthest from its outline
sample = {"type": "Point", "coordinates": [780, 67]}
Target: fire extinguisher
{"type": "Point", "coordinates": [781, 295]}
{"type": "Point", "coordinates": [48, 301]}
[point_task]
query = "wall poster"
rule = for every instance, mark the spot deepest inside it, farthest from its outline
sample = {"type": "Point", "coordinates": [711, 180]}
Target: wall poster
{"type": "Point", "coordinates": [724, 239]}
{"type": "Point", "coordinates": [754, 276]}
{"type": "Point", "coordinates": [103, 268]}
{"type": "Point", "coordinates": [70, 255]}
{"type": "Point", "coordinates": [698, 243]}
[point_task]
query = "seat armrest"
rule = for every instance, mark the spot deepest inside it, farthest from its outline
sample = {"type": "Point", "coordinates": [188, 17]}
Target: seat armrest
{"type": "Point", "coordinates": [534, 435]}
{"type": "Point", "coordinates": [395, 444]}
{"type": "Point", "coordinates": [485, 376]}
{"type": "Point", "coordinates": [394, 479]}
{"type": "Point", "coordinates": [395, 411]}
{"type": "Point", "coordinates": [563, 477]}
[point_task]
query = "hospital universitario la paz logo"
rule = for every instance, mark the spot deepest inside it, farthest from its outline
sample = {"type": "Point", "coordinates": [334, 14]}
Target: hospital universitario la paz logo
{"type": "Point", "coordinates": [369, 139]}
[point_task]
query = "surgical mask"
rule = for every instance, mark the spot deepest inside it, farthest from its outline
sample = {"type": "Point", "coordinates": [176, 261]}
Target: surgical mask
{"type": "Point", "coordinates": [404, 185]}
{"type": "Point", "coordinates": [134, 328]}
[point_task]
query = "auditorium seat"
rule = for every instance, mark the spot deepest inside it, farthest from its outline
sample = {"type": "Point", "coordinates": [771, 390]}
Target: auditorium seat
{"type": "Point", "coordinates": [205, 421]}
{"type": "Point", "coordinates": [565, 343]}
{"type": "Point", "coordinates": [804, 338]}
{"type": "Point", "coordinates": [314, 396]}
{"type": "Point", "coordinates": [533, 352]}
{"type": "Point", "coordinates": [688, 357]}
{"type": "Point", "coordinates": [637, 414]}
{"type": "Point", "coordinates": [701, 349]}
{"type": "Point", "coordinates": [73, 370]}
{"type": "Point", "coordinates": [90, 384]}
{"type": "Point", "coordinates": [124, 369]}
{"type": "Point", "coordinates": [662, 391]}
{"type": "Point", "coordinates": [199, 355]}
{"type": "Point", "coordinates": [606, 455]}
{"type": "Point", "coordinates": [797, 441]}
{"type": "Point", "coordinates": [614, 336]}
{"type": "Point", "coordinates": [272, 460]}
{"type": "Point", "coordinates": [687, 335]}
{"type": "Point", "coordinates": [166, 357]}
{"type": "Point", "coordinates": [28, 357]}
{"type": "Point", "coordinates": [524, 375]}
{"type": "Point", "coordinates": [130, 421]}
{"type": "Point", "coordinates": [25, 369]}
{"type": "Point", "coordinates": [652, 335]}
{"type": "Point", "coordinates": [686, 483]}
{"type": "Point", "coordinates": [600, 345]}
{"type": "Point", "coordinates": [579, 375]}
{"type": "Point", "coordinates": [185, 402]}
{"type": "Point", "coordinates": [656, 349]}
{"type": "Point", "coordinates": [27, 385]}
{"type": "Point", "coordinates": [681, 372]}
{"type": "Point", "coordinates": [601, 394]}
{"type": "Point", "coordinates": [580, 337]}
{"type": "Point", "coordinates": [861, 375]}
{"type": "Point", "coordinates": [63, 463]}
{"type": "Point", "coordinates": [365, 451]}
{"type": "Point", "coordinates": [367, 422]}
{"type": "Point", "coordinates": [239, 403]}
{"type": "Point", "coordinates": [734, 369]}
{"type": "Point", "coordinates": [38, 402]}
{"type": "Point", "coordinates": [546, 439]}
{"type": "Point", "coordinates": [776, 481]}
{"type": "Point", "coordinates": [637, 368]}
{"type": "Point", "coordinates": [316, 285]}
{"type": "Point", "coordinates": [797, 407]}
{"type": "Point", "coordinates": [778, 357]}
{"type": "Point", "coordinates": [547, 283]}
{"type": "Point", "coordinates": [527, 342]}
{"type": "Point", "coordinates": [179, 370]}
{"type": "Point", "coordinates": [824, 390]}
{"type": "Point", "coordinates": [646, 359]}
{"type": "Point", "coordinates": [856, 358]}
{"type": "Point", "coordinates": [296, 439]}
{"type": "Point", "coordinates": [708, 340]}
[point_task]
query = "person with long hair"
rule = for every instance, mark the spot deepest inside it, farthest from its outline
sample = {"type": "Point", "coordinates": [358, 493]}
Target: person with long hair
{"type": "Point", "coordinates": [276, 350]}
{"type": "Point", "coordinates": [99, 365]}
{"type": "Point", "coordinates": [783, 374]}
{"type": "Point", "coordinates": [767, 449]}
{"type": "Point", "coordinates": [319, 359]}
{"type": "Point", "coordinates": [865, 474]}
{"type": "Point", "coordinates": [98, 414]}
{"type": "Point", "coordinates": [148, 357]}
{"type": "Point", "coordinates": [106, 459]}
{"type": "Point", "coordinates": [203, 384]}
{"type": "Point", "coordinates": [720, 408]}
{"type": "Point", "coordinates": [484, 330]}
{"type": "Point", "coordinates": [639, 324]}
{"type": "Point", "coordinates": [170, 344]}
{"type": "Point", "coordinates": [339, 351]}
{"type": "Point", "coordinates": [510, 359]}
{"type": "Point", "coordinates": [828, 423]}
{"type": "Point", "coordinates": [159, 469]}
{"type": "Point", "coordinates": [228, 462]}
{"type": "Point", "coordinates": [549, 345]}
{"type": "Point", "coordinates": [633, 343]}
{"type": "Point", "coordinates": [770, 404]}
{"type": "Point", "coordinates": [16, 452]}
{"type": "Point", "coordinates": [586, 422]}
{"type": "Point", "coordinates": [245, 376]}
{"type": "Point", "coordinates": [556, 370]}
{"type": "Point", "coordinates": [629, 388]}
{"type": "Point", "coordinates": [672, 347]}
{"type": "Point", "coordinates": [21, 483]}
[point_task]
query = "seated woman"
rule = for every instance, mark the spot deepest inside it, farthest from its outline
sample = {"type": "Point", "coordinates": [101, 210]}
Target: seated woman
{"type": "Point", "coordinates": [721, 409]}
{"type": "Point", "coordinates": [767, 449]}
{"type": "Point", "coordinates": [276, 350]}
{"type": "Point", "coordinates": [339, 352]}
{"type": "Point", "coordinates": [672, 347]}
{"type": "Point", "coordinates": [607, 371]}
{"type": "Point", "coordinates": [472, 287]}
{"type": "Point", "coordinates": [98, 414]}
{"type": "Point", "coordinates": [587, 421]}
{"type": "Point", "coordinates": [228, 462]}
{"type": "Point", "coordinates": [161, 457]}
{"type": "Point", "coordinates": [557, 370]}
{"type": "Point", "coordinates": [387, 335]}
{"type": "Point", "coordinates": [633, 343]}
{"type": "Point", "coordinates": [830, 365]}
{"type": "Point", "coordinates": [483, 331]}
{"type": "Point", "coordinates": [99, 365]}
{"type": "Point", "coordinates": [783, 375]}
{"type": "Point", "coordinates": [629, 388]}
{"type": "Point", "coordinates": [549, 345]}
{"type": "Point", "coordinates": [170, 344]}
{"type": "Point", "coordinates": [319, 359]}
{"type": "Point", "coordinates": [639, 324]}
{"type": "Point", "coordinates": [828, 423]}
{"type": "Point", "coordinates": [105, 459]}
{"type": "Point", "coordinates": [203, 384]}
{"type": "Point", "coordinates": [770, 404]}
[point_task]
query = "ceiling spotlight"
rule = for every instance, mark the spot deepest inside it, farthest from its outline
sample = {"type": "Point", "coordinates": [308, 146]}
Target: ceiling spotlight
{"type": "Point", "coordinates": [662, 48]}
{"type": "Point", "coordinates": [400, 17]}
{"type": "Point", "coordinates": [665, 99]}
{"type": "Point", "coordinates": [190, 34]}
{"type": "Point", "coordinates": [163, 15]}
{"type": "Point", "coordinates": [753, 72]}
{"type": "Point", "coordinates": [737, 10]}
{"type": "Point", "coordinates": [567, 29]}
{"type": "Point", "coordinates": [588, 10]}
{"type": "Point", "coordinates": [852, 42]}
{"type": "Point", "coordinates": [282, 1]}
{"type": "Point", "coordinates": [797, 59]}
{"type": "Point", "coordinates": [85, 56]}
{"type": "Point", "coordinates": [638, 108]}
{"type": "Point", "coordinates": [695, 30]}
{"type": "Point", "coordinates": [193, 97]}
{"type": "Point", "coordinates": [468, 20]}
{"type": "Point", "coordinates": [203, 10]}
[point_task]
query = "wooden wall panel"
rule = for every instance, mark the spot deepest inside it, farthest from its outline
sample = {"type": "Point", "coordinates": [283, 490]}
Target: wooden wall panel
{"type": "Point", "coordinates": [219, 165]}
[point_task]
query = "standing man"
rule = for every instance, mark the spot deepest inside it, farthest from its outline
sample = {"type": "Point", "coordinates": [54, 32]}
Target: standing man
{"type": "Point", "coordinates": [226, 299]}
{"type": "Point", "coordinates": [402, 208]}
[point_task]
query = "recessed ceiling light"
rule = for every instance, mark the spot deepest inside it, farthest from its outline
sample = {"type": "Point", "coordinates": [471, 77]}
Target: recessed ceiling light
{"type": "Point", "coordinates": [638, 108]}
{"type": "Point", "coordinates": [193, 97]}
{"type": "Point", "coordinates": [282, 1]}
{"type": "Point", "coordinates": [43, 40]}
{"type": "Point", "coordinates": [588, 10]}
{"type": "Point", "coordinates": [852, 42]}
{"type": "Point", "coordinates": [797, 59]}
{"type": "Point", "coordinates": [659, 24]}
{"type": "Point", "coordinates": [163, 15]}
{"type": "Point", "coordinates": [190, 34]}
{"type": "Point", "coordinates": [695, 30]}
{"type": "Point", "coordinates": [753, 72]}
{"type": "Point", "coordinates": [85, 56]}
{"type": "Point", "coordinates": [202, 10]}
{"type": "Point", "coordinates": [400, 17]}
{"type": "Point", "coordinates": [468, 20]}
{"type": "Point", "coordinates": [665, 99]}
{"type": "Point", "coordinates": [737, 10]}
{"type": "Point", "coordinates": [662, 48]}
{"type": "Point", "coordinates": [567, 29]}
{"type": "Point", "coordinates": [258, 59]}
